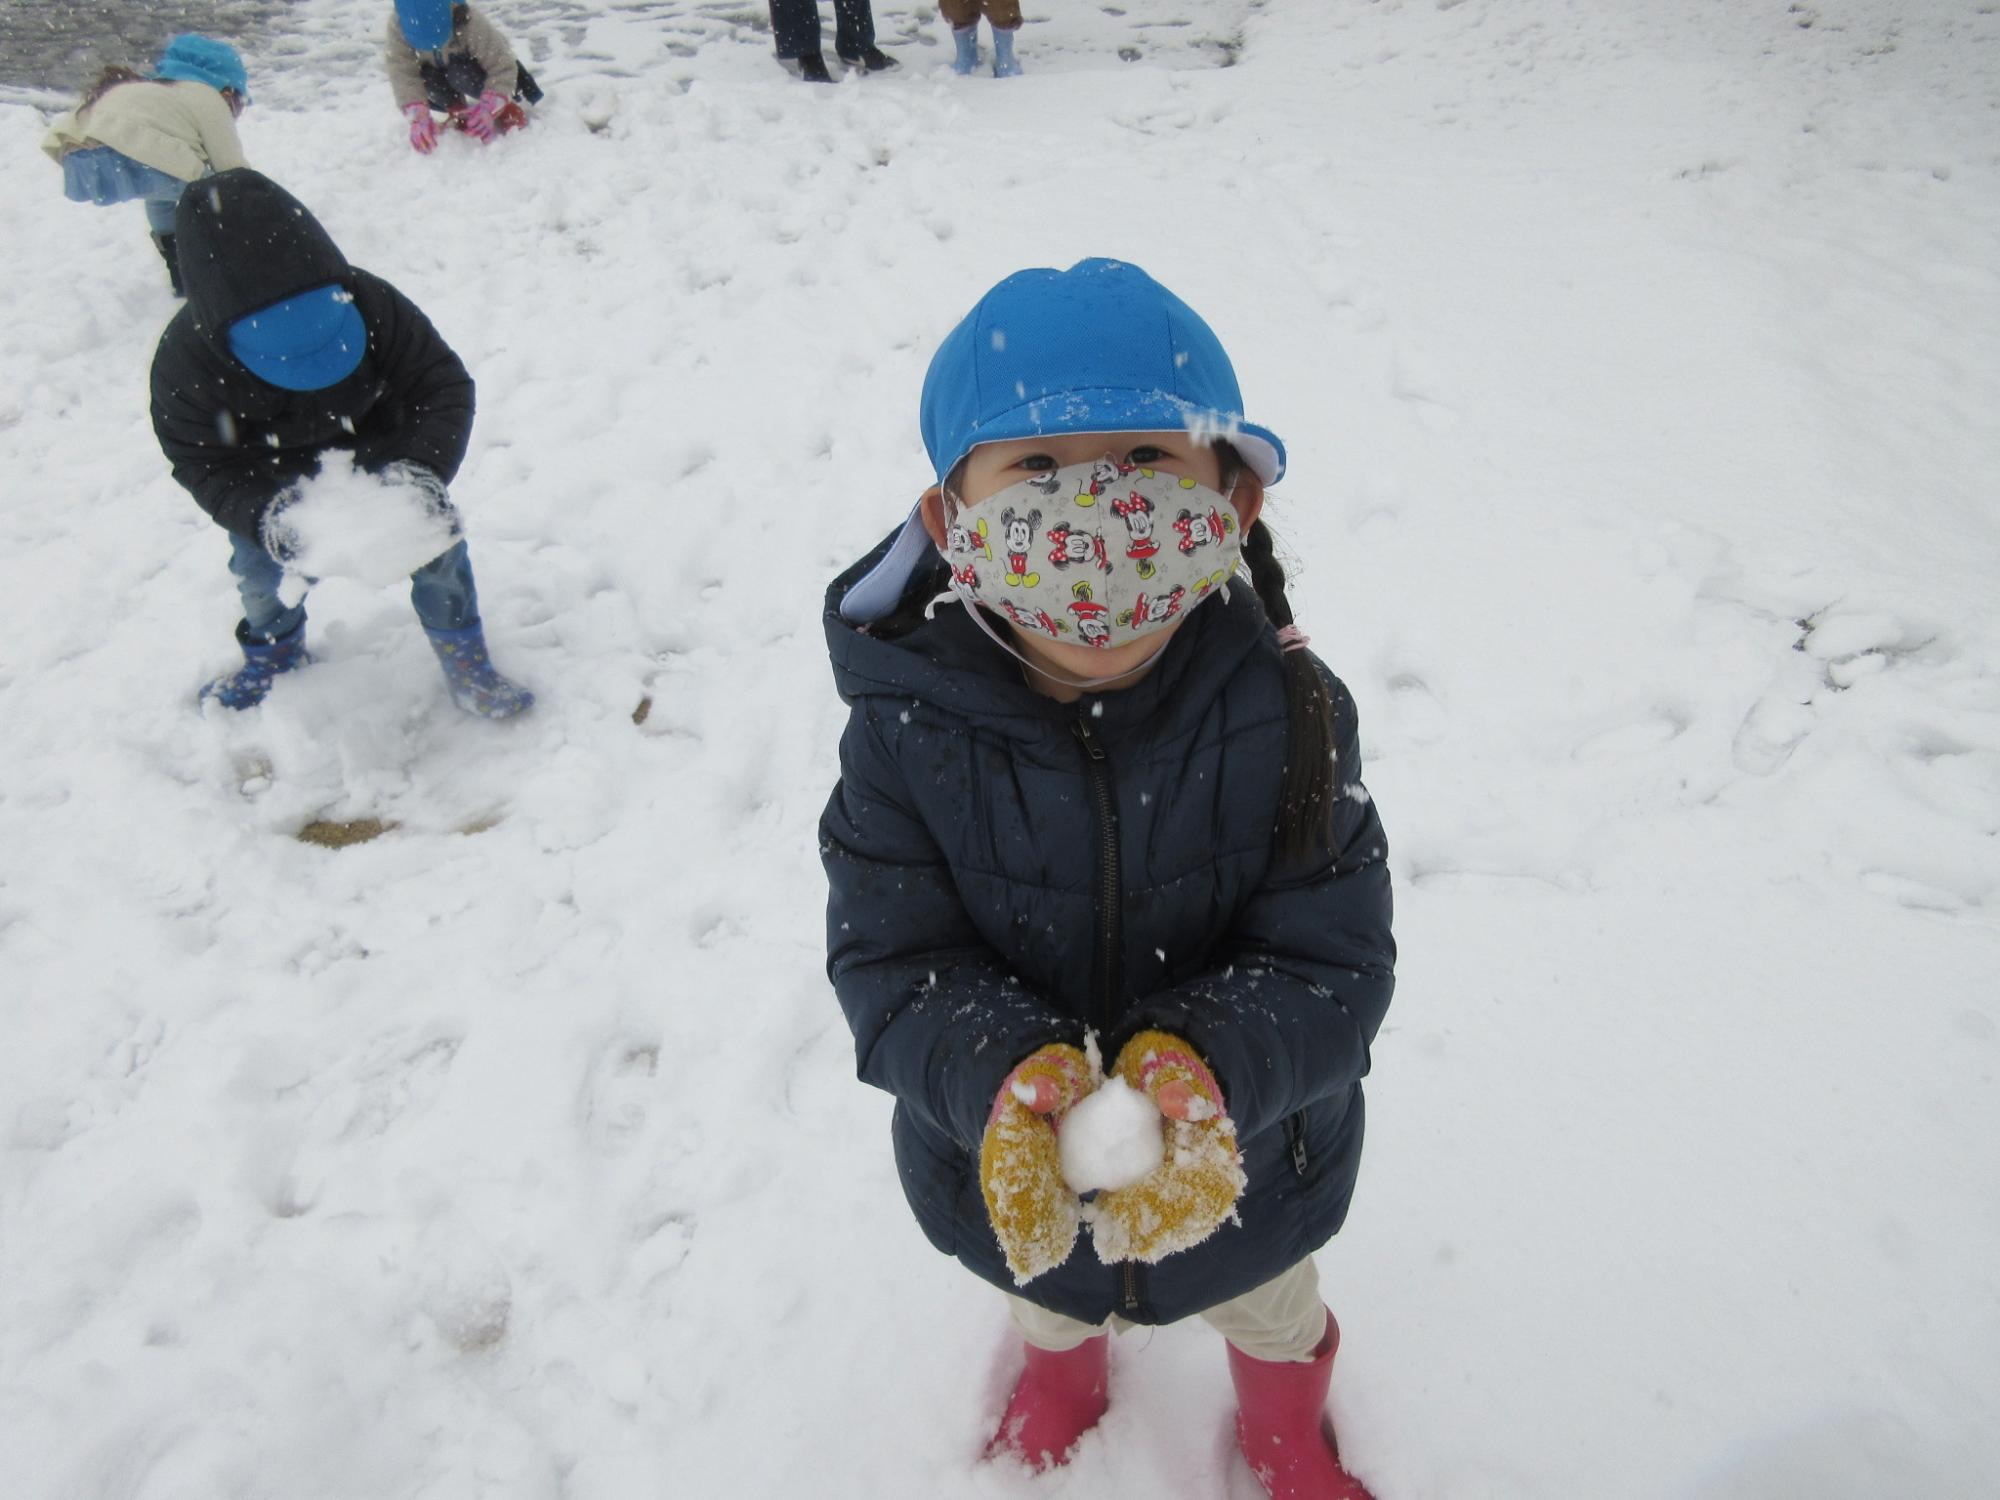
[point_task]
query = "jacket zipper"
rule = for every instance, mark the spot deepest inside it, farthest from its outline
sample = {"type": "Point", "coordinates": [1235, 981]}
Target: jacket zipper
{"type": "Point", "coordinates": [1097, 772]}
{"type": "Point", "coordinates": [1295, 1137]}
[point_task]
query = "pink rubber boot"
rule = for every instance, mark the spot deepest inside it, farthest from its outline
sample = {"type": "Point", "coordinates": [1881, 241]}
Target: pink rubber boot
{"type": "Point", "coordinates": [1282, 1426]}
{"type": "Point", "coordinates": [1058, 1398]}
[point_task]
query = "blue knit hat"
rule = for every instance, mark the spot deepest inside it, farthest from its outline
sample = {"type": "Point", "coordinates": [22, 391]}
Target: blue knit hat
{"type": "Point", "coordinates": [304, 343]}
{"type": "Point", "coordinates": [1101, 347]}
{"type": "Point", "coordinates": [193, 58]}
{"type": "Point", "coordinates": [426, 23]}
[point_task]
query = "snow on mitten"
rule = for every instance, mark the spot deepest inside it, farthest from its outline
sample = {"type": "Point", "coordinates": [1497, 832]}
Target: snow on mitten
{"type": "Point", "coordinates": [1193, 1191]}
{"type": "Point", "coordinates": [1033, 1212]}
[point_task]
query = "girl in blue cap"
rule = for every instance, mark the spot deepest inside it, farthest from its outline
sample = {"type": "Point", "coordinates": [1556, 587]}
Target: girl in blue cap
{"type": "Point", "coordinates": [451, 59]}
{"type": "Point", "coordinates": [1100, 838]}
{"type": "Point", "coordinates": [147, 137]}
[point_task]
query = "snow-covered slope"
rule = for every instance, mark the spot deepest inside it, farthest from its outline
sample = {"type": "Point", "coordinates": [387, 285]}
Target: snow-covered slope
{"type": "Point", "coordinates": [1639, 365]}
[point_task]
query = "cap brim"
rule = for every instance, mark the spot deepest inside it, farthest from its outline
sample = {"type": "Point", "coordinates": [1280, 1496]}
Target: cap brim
{"type": "Point", "coordinates": [1117, 410]}
{"type": "Point", "coordinates": [332, 354]}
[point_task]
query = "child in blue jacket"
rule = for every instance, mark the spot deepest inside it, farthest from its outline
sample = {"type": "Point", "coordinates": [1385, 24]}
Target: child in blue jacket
{"type": "Point", "coordinates": [1099, 807]}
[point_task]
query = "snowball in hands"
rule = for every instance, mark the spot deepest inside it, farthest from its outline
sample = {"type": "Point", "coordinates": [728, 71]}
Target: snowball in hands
{"type": "Point", "coordinates": [1111, 1139]}
{"type": "Point", "coordinates": [374, 529]}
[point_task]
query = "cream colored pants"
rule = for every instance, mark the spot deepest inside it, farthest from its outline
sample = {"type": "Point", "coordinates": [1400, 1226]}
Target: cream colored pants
{"type": "Point", "coordinates": [1281, 1320]}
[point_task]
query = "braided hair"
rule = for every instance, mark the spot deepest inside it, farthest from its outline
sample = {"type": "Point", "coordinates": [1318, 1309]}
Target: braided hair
{"type": "Point", "coordinates": [1306, 795]}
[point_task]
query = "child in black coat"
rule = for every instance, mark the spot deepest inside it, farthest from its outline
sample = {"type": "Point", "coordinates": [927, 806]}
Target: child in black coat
{"type": "Point", "coordinates": [285, 358]}
{"type": "Point", "coordinates": [1100, 858]}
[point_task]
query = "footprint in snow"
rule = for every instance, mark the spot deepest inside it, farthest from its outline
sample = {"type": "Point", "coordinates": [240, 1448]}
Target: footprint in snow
{"type": "Point", "coordinates": [396, 1080]}
{"type": "Point", "coordinates": [1643, 730]}
{"type": "Point", "coordinates": [616, 1097]}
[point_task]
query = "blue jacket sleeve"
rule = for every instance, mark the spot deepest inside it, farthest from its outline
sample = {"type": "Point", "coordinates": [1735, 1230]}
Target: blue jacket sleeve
{"type": "Point", "coordinates": [938, 1020]}
{"type": "Point", "coordinates": [1288, 1011]}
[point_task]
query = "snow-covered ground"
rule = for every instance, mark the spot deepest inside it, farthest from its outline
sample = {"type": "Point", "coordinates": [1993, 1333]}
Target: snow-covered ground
{"type": "Point", "coordinates": [1640, 365]}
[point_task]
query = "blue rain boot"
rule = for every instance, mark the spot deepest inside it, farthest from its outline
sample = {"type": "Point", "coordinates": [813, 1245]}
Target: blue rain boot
{"type": "Point", "coordinates": [262, 660]}
{"type": "Point", "coordinates": [966, 39]}
{"type": "Point", "coordinates": [469, 673]}
{"type": "Point", "coordinates": [1004, 65]}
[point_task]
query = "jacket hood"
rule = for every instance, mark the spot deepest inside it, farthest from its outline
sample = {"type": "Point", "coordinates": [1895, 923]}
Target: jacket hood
{"type": "Point", "coordinates": [245, 243]}
{"type": "Point", "coordinates": [947, 662]}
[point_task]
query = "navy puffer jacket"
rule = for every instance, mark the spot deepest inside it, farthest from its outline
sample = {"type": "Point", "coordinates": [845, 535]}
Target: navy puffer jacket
{"type": "Point", "coordinates": [235, 441]}
{"type": "Point", "coordinates": [1007, 871]}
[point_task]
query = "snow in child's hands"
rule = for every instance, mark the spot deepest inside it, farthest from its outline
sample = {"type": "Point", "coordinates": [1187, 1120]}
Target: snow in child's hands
{"type": "Point", "coordinates": [1112, 1139]}
{"type": "Point", "coordinates": [373, 528]}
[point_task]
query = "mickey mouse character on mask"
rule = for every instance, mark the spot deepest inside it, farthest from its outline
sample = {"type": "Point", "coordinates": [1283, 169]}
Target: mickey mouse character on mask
{"type": "Point", "coordinates": [1105, 473]}
{"type": "Point", "coordinates": [973, 538]}
{"type": "Point", "coordinates": [1018, 532]}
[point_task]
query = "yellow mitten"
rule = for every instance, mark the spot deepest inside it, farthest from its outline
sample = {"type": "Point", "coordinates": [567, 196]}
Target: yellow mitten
{"type": "Point", "coordinates": [1034, 1213]}
{"type": "Point", "coordinates": [1193, 1191]}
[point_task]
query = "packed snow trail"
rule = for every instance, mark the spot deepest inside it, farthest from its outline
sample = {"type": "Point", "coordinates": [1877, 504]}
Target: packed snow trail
{"type": "Point", "coordinates": [1637, 368]}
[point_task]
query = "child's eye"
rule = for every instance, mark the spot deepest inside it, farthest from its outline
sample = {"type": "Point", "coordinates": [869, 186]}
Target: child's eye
{"type": "Point", "coordinates": [1145, 454]}
{"type": "Point", "coordinates": [1037, 462]}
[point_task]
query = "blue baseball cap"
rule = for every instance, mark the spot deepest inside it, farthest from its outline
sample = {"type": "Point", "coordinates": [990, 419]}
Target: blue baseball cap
{"type": "Point", "coordinates": [426, 23]}
{"type": "Point", "coordinates": [193, 58]}
{"type": "Point", "coordinates": [1101, 347]}
{"type": "Point", "coordinates": [304, 343]}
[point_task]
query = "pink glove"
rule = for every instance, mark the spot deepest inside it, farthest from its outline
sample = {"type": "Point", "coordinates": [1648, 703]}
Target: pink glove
{"type": "Point", "coordinates": [479, 120]}
{"type": "Point", "coordinates": [423, 129]}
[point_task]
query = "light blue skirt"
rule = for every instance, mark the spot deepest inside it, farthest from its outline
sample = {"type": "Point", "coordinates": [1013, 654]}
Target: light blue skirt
{"type": "Point", "coordinates": [98, 174]}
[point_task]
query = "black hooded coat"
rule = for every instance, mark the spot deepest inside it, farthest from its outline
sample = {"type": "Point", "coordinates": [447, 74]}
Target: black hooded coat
{"type": "Point", "coordinates": [1006, 870]}
{"type": "Point", "coordinates": [236, 441]}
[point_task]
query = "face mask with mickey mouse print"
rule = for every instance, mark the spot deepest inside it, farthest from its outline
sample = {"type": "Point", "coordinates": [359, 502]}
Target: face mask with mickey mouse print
{"type": "Point", "coordinates": [1098, 554]}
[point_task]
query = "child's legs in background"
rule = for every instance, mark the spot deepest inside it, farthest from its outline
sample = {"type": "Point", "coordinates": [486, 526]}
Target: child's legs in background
{"type": "Point", "coordinates": [1002, 15]}
{"type": "Point", "coordinates": [1051, 1330]}
{"type": "Point", "coordinates": [160, 214]}
{"type": "Point", "coordinates": [795, 27]}
{"type": "Point", "coordinates": [443, 594]}
{"type": "Point", "coordinates": [853, 27]}
{"type": "Point", "coordinates": [1282, 1320]}
{"type": "Point", "coordinates": [258, 575]}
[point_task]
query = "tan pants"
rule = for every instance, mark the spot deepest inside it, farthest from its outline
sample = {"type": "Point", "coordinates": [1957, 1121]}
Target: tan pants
{"type": "Point", "coordinates": [1004, 15]}
{"type": "Point", "coordinates": [1283, 1319]}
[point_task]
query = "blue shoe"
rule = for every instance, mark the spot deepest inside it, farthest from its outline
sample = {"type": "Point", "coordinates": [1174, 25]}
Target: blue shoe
{"type": "Point", "coordinates": [966, 40]}
{"type": "Point", "coordinates": [1004, 65]}
{"type": "Point", "coordinates": [262, 660]}
{"type": "Point", "coordinates": [469, 673]}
